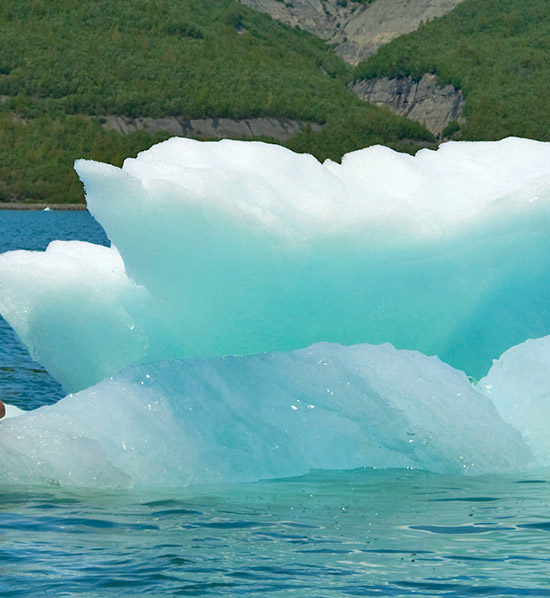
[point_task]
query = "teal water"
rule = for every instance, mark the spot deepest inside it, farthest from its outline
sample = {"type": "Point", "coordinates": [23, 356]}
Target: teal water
{"type": "Point", "coordinates": [354, 533]}
{"type": "Point", "coordinates": [364, 533]}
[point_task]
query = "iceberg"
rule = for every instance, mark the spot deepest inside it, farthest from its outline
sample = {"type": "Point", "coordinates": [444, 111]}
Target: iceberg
{"type": "Point", "coordinates": [242, 247]}
{"type": "Point", "coordinates": [519, 386]}
{"type": "Point", "coordinates": [231, 419]}
{"type": "Point", "coordinates": [183, 342]}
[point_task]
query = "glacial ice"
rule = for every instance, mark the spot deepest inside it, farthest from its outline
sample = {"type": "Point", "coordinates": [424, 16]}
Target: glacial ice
{"type": "Point", "coordinates": [63, 301]}
{"type": "Point", "coordinates": [12, 411]}
{"type": "Point", "coordinates": [230, 248]}
{"type": "Point", "coordinates": [241, 247]}
{"type": "Point", "coordinates": [519, 385]}
{"type": "Point", "coordinates": [234, 418]}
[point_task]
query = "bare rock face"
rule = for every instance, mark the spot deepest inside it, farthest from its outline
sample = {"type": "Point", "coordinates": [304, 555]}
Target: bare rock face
{"type": "Point", "coordinates": [357, 29]}
{"type": "Point", "coordinates": [280, 129]}
{"type": "Point", "coordinates": [421, 100]}
{"type": "Point", "coordinates": [383, 20]}
{"type": "Point", "coordinates": [320, 17]}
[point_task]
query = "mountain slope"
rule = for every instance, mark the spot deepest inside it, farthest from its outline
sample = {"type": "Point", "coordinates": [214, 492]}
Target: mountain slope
{"type": "Point", "coordinates": [71, 72]}
{"type": "Point", "coordinates": [358, 28]}
{"type": "Point", "coordinates": [497, 52]}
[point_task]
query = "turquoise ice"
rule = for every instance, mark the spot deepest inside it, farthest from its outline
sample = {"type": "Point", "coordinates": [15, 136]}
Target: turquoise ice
{"type": "Point", "coordinates": [236, 248]}
{"type": "Point", "coordinates": [233, 329]}
{"type": "Point", "coordinates": [231, 419]}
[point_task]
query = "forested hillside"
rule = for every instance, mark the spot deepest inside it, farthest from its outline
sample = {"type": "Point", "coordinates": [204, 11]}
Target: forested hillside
{"type": "Point", "coordinates": [67, 65]}
{"type": "Point", "coordinates": [70, 69]}
{"type": "Point", "coordinates": [496, 51]}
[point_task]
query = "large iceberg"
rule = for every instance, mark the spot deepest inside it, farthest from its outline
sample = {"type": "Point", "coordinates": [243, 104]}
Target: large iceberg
{"type": "Point", "coordinates": [229, 248]}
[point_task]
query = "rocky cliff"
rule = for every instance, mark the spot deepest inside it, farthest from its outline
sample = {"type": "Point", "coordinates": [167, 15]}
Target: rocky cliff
{"type": "Point", "coordinates": [280, 129]}
{"type": "Point", "coordinates": [357, 29]}
{"type": "Point", "coordinates": [421, 100]}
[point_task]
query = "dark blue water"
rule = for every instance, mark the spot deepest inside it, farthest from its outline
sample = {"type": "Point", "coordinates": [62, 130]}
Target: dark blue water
{"type": "Point", "coordinates": [359, 533]}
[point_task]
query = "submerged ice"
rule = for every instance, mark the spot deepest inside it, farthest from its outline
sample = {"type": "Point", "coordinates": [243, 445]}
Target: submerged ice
{"type": "Point", "coordinates": [232, 248]}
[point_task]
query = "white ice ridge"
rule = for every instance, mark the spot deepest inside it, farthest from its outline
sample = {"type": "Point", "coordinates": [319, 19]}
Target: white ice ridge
{"type": "Point", "coordinates": [230, 419]}
{"type": "Point", "coordinates": [242, 247]}
{"type": "Point", "coordinates": [297, 196]}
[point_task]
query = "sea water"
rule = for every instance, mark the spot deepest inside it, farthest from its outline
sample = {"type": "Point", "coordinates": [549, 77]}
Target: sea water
{"type": "Point", "coordinates": [361, 533]}
{"type": "Point", "coordinates": [352, 533]}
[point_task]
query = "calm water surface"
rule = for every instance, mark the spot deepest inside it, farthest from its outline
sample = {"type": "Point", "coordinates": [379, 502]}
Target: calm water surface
{"type": "Point", "coordinates": [359, 533]}
{"type": "Point", "coordinates": [364, 533]}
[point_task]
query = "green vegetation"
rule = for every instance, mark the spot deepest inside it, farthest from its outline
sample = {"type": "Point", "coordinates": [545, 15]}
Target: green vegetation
{"type": "Point", "coordinates": [496, 51]}
{"type": "Point", "coordinates": [64, 64]}
{"type": "Point", "coordinates": [361, 123]}
{"type": "Point", "coordinates": [452, 128]}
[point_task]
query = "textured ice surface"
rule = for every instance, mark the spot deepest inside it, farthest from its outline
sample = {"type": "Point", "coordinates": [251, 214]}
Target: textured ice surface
{"type": "Point", "coordinates": [519, 385]}
{"type": "Point", "coordinates": [62, 302]}
{"type": "Point", "coordinates": [233, 418]}
{"type": "Point", "coordinates": [241, 247]}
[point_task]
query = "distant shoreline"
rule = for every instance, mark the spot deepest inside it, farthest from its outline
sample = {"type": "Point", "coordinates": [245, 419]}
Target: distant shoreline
{"type": "Point", "coordinates": [42, 206]}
